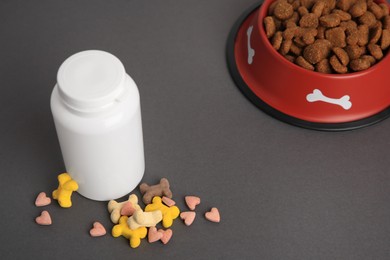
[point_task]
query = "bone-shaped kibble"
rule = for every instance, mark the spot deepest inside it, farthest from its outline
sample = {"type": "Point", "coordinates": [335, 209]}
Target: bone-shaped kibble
{"type": "Point", "coordinates": [65, 189]}
{"type": "Point", "coordinates": [168, 213]}
{"type": "Point", "coordinates": [161, 189]}
{"type": "Point", "coordinates": [115, 207]}
{"type": "Point", "coordinates": [251, 52]}
{"type": "Point", "coordinates": [135, 236]}
{"type": "Point", "coordinates": [318, 96]}
{"type": "Point", "coordinates": [144, 219]}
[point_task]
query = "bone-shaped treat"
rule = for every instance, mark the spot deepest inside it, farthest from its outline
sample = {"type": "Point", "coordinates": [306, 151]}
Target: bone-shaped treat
{"type": "Point", "coordinates": [144, 219]}
{"type": "Point", "coordinates": [161, 189]}
{"type": "Point", "coordinates": [115, 208]}
{"type": "Point", "coordinates": [251, 52]}
{"type": "Point", "coordinates": [65, 189]}
{"type": "Point", "coordinates": [318, 96]}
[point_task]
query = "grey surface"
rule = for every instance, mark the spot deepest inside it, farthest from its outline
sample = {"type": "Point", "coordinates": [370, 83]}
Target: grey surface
{"type": "Point", "coordinates": [283, 192]}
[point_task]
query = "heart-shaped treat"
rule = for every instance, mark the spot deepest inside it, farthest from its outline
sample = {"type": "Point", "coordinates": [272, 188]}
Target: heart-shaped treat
{"type": "Point", "coordinates": [167, 201]}
{"type": "Point", "coordinates": [42, 200]}
{"type": "Point", "coordinates": [44, 219]}
{"type": "Point", "coordinates": [213, 215]}
{"type": "Point", "coordinates": [98, 230]}
{"type": "Point", "coordinates": [154, 235]}
{"type": "Point", "coordinates": [127, 209]}
{"type": "Point", "coordinates": [192, 202]}
{"type": "Point", "coordinates": [188, 217]}
{"type": "Point", "coordinates": [166, 235]}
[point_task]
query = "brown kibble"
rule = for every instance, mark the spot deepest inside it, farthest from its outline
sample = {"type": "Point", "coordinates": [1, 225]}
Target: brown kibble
{"type": "Point", "coordinates": [376, 10]}
{"type": "Point", "coordinates": [309, 21]}
{"type": "Point", "coordinates": [296, 4]}
{"type": "Point", "coordinates": [307, 3]}
{"type": "Point", "coordinates": [345, 4]}
{"type": "Point", "coordinates": [290, 58]}
{"type": "Point", "coordinates": [342, 55]}
{"type": "Point", "coordinates": [283, 10]}
{"type": "Point", "coordinates": [304, 63]}
{"type": "Point", "coordinates": [360, 64]}
{"type": "Point", "coordinates": [368, 18]}
{"type": "Point", "coordinates": [386, 22]}
{"type": "Point", "coordinates": [271, 8]}
{"type": "Point", "coordinates": [308, 35]}
{"type": "Point", "coordinates": [375, 51]}
{"type": "Point", "coordinates": [324, 66]}
{"type": "Point", "coordinates": [337, 66]}
{"type": "Point", "coordinates": [376, 32]}
{"type": "Point", "coordinates": [318, 8]}
{"type": "Point", "coordinates": [317, 35]}
{"type": "Point", "coordinates": [317, 51]}
{"type": "Point", "coordinates": [371, 59]}
{"type": "Point", "coordinates": [385, 40]}
{"type": "Point", "coordinates": [294, 49]}
{"type": "Point", "coordinates": [352, 36]}
{"type": "Point", "coordinates": [344, 16]}
{"type": "Point", "coordinates": [285, 47]}
{"type": "Point", "coordinates": [269, 26]}
{"type": "Point", "coordinates": [364, 34]}
{"type": "Point", "coordinates": [354, 51]}
{"type": "Point", "coordinates": [321, 32]}
{"type": "Point", "coordinates": [385, 9]}
{"type": "Point", "coordinates": [299, 42]}
{"type": "Point", "coordinates": [277, 40]}
{"type": "Point", "coordinates": [293, 19]}
{"type": "Point", "coordinates": [349, 25]}
{"type": "Point", "coordinates": [329, 6]}
{"type": "Point", "coordinates": [330, 20]}
{"type": "Point", "coordinates": [358, 9]}
{"type": "Point", "coordinates": [336, 36]}
{"type": "Point", "coordinates": [289, 33]}
{"type": "Point", "coordinates": [302, 11]}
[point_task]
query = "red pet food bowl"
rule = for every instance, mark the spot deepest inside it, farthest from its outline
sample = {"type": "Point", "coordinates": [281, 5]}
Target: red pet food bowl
{"type": "Point", "coordinates": [298, 96]}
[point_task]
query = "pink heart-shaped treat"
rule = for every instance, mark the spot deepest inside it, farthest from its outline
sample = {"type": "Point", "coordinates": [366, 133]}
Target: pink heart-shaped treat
{"type": "Point", "coordinates": [188, 217]}
{"type": "Point", "coordinates": [127, 209]}
{"type": "Point", "coordinates": [167, 201]}
{"type": "Point", "coordinates": [42, 200]}
{"type": "Point", "coordinates": [154, 235]}
{"type": "Point", "coordinates": [98, 230]}
{"type": "Point", "coordinates": [192, 202]}
{"type": "Point", "coordinates": [213, 215]}
{"type": "Point", "coordinates": [166, 235]}
{"type": "Point", "coordinates": [44, 219]}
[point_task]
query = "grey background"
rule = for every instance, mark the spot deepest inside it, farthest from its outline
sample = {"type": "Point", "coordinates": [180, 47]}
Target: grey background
{"type": "Point", "coordinates": [283, 192]}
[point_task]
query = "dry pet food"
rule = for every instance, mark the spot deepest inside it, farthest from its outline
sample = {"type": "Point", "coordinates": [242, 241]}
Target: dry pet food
{"type": "Point", "coordinates": [329, 36]}
{"type": "Point", "coordinates": [161, 189]}
{"type": "Point", "coordinates": [44, 219]}
{"type": "Point", "coordinates": [97, 230]}
{"type": "Point", "coordinates": [42, 200]}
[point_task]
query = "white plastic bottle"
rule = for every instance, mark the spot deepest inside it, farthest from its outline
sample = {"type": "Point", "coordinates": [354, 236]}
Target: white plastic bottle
{"type": "Point", "coordinates": [96, 111]}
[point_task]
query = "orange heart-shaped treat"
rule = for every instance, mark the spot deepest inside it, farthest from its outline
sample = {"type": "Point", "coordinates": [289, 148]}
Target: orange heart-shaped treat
{"type": "Point", "coordinates": [213, 215]}
{"type": "Point", "coordinates": [44, 219]}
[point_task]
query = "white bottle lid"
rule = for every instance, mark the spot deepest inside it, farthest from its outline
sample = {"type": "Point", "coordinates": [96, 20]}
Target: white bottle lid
{"type": "Point", "coordinates": [90, 80]}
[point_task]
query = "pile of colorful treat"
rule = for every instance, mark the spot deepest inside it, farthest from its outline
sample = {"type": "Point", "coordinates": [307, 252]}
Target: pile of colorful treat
{"type": "Point", "coordinates": [128, 217]}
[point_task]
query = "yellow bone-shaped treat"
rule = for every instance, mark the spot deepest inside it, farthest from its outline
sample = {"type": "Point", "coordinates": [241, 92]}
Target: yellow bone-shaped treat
{"type": "Point", "coordinates": [135, 236]}
{"type": "Point", "coordinates": [64, 191]}
{"type": "Point", "coordinates": [115, 207]}
{"type": "Point", "coordinates": [168, 213]}
{"type": "Point", "coordinates": [144, 219]}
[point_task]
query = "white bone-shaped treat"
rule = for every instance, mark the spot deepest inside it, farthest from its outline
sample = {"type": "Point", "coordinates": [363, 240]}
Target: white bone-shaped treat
{"type": "Point", "coordinates": [251, 52]}
{"type": "Point", "coordinates": [318, 96]}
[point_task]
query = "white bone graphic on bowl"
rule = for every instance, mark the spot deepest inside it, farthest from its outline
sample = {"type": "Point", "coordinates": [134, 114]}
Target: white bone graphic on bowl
{"type": "Point", "coordinates": [251, 52]}
{"type": "Point", "coordinates": [318, 96]}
